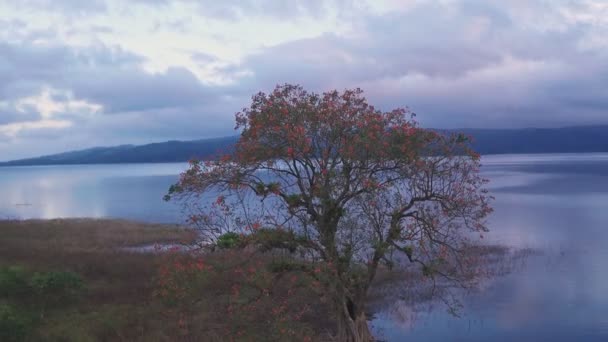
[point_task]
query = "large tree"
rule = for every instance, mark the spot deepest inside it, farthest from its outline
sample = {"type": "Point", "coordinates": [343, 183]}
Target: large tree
{"type": "Point", "coordinates": [359, 187]}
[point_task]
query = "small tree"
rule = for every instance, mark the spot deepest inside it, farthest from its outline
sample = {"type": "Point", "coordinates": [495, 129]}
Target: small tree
{"type": "Point", "coordinates": [360, 188]}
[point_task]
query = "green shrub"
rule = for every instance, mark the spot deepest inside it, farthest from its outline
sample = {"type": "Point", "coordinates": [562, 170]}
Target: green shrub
{"type": "Point", "coordinates": [14, 326]}
{"type": "Point", "coordinates": [13, 282]}
{"type": "Point", "coordinates": [228, 240]}
{"type": "Point", "coordinates": [268, 239]}
{"type": "Point", "coordinates": [62, 285]}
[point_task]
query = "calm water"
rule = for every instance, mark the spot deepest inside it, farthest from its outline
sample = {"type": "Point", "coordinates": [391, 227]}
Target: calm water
{"type": "Point", "coordinates": [557, 204]}
{"type": "Point", "coordinates": [132, 191]}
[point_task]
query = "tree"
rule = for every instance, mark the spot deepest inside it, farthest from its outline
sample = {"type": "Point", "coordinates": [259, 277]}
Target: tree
{"type": "Point", "coordinates": [361, 188]}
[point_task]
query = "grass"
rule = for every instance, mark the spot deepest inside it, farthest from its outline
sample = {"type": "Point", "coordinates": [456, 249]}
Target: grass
{"type": "Point", "coordinates": [121, 301]}
{"type": "Point", "coordinates": [230, 294]}
{"type": "Point", "coordinates": [90, 248]}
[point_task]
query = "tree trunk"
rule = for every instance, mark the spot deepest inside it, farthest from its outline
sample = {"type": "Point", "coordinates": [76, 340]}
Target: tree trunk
{"type": "Point", "coordinates": [352, 325]}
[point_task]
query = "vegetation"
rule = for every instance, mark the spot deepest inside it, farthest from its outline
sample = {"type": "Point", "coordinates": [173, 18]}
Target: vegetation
{"type": "Point", "coordinates": [14, 325]}
{"type": "Point", "coordinates": [228, 240]}
{"type": "Point", "coordinates": [79, 280]}
{"type": "Point", "coordinates": [350, 188]}
{"type": "Point", "coordinates": [253, 290]}
{"type": "Point", "coordinates": [25, 298]}
{"type": "Point", "coordinates": [70, 279]}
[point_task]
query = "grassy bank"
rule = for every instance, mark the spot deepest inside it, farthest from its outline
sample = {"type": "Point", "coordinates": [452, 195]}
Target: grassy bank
{"type": "Point", "coordinates": [131, 296]}
{"type": "Point", "coordinates": [79, 280]}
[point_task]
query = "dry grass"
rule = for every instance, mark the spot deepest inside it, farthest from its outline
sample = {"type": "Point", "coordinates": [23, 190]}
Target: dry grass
{"type": "Point", "coordinates": [90, 248]}
{"type": "Point", "coordinates": [120, 302]}
{"type": "Point", "coordinates": [75, 234]}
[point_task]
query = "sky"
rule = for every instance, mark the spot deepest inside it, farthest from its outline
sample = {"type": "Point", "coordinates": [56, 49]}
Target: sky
{"type": "Point", "coordinates": [76, 74]}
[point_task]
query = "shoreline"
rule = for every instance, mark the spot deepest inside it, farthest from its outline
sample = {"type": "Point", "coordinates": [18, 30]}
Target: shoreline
{"type": "Point", "coordinates": [502, 154]}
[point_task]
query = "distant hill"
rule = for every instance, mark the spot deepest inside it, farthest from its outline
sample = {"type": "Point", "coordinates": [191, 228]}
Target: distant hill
{"type": "Point", "coordinates": [540, 140]}
{"type": "Point", "coordinates": [170, 151]}
{"type": "Point", "coordinates": [486, 141]}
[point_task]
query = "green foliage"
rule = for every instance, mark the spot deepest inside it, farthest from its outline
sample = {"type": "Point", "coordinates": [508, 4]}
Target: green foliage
{"type": "Point", "coordinates": [13, 281]}
{"type": "Point", "coordinates": [267, 239]}
{"type": "Point", "coordinates": [16, 283]}
{"type": "Point", "coordinates": [462, 138]}
{"type": "Point", "coordinates": [14, 325]}
{"type": "Point", "coordinates": [293, 200]}
{"type": "Point", "coordinates": [33, 294]}
{"type": "Point", "coordinates": [60, 286]}
{"type": "Point", "coordinates": [228, 240]}
{"type": "Point", "coordinates": [263, 189]}
{"type": "Point", "coordinates": [260, 188]}
{"type": "Point", "coordinates": [173, 189]}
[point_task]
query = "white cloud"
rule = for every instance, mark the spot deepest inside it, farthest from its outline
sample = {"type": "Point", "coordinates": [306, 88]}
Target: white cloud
{"type": "Point", "coordinates": [52, 102]}
{"type": "Point", "coordinates": [14, 129]}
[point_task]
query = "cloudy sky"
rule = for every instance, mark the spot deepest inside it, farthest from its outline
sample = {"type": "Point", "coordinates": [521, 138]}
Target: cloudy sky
{"type": "Point", "coordinates": [76, 74]}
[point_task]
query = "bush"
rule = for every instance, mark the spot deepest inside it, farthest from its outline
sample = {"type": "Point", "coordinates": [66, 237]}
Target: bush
{"type": "Point", "coordinates": [14, 326]}
{"type": "Point", "coordinates": [60, 286]}
{"type": "Point", "coordinates": [286, 265]}
{"type": "Point", "coordinates": [268, 239]}
{"type": "Point", "coordinates": [13, 282]}
{"type": "Point", "coordinates": [228, 240]}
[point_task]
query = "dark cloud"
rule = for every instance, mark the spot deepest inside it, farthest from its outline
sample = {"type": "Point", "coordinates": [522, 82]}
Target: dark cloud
{"type": "Point", "coordinates": [137, 106]}
{"type": "Point", "coordinates": [102, 75]}
{"type": "Point", "coordinates": [26, 67]}
{"type": "Point", "coordinates": [137, 90]}
{"type": "Point", "coordinates": [10, 114]}
{"type": "Point", "coordinates": [473, 65]}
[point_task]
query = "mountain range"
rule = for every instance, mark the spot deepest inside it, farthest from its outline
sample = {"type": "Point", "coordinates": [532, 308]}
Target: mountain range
{"type": "Point", "coordinates": [578, 139]}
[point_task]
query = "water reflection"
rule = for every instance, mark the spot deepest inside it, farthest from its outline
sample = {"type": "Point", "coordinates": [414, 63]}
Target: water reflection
{"type": "Point", "coordinates": [121, 191]}
{"type": "Point", "coordinates": [557, 205]}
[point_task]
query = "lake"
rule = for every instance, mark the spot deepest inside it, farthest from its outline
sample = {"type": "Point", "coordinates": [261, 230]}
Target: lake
{"type": "Point", "coordinates": [131, 191]}
{"type": "Point", "coordinates": [555, 204]}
